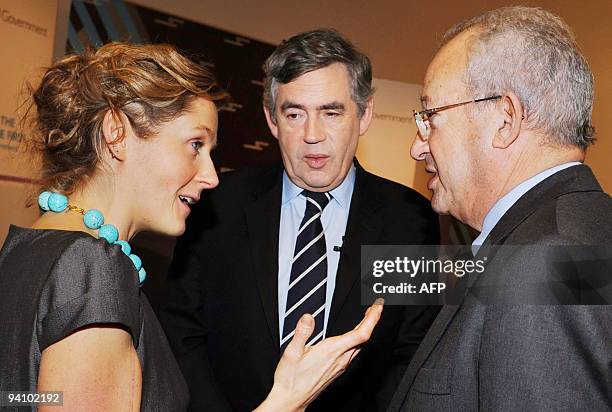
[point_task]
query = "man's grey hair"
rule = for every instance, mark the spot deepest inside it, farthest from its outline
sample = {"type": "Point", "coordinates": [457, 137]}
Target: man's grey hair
{"type": "Point", "coordinates": [534, 54]}
{"type": "Point", "coordinates": [313, 50]}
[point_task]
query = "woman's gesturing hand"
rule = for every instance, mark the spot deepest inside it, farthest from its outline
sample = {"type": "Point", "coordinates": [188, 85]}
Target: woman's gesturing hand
{"type": "Point", "coordinates": [304, 371]}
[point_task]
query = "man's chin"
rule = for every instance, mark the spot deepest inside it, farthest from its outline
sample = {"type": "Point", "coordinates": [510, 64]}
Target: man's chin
{"type": "Point", "coordinates": [318, 181]}
{"type": "Point", "coordinates": [318, 187]}
{"type": "Point", "coordinates": [439, 206]}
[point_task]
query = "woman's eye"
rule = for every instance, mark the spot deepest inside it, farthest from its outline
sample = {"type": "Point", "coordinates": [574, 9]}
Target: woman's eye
{"type": "Point", "coordinates": [197, 145]}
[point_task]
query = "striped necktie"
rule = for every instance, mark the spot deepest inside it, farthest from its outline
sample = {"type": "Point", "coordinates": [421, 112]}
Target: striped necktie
{"type": "Point", "coordinates": [308, 280]}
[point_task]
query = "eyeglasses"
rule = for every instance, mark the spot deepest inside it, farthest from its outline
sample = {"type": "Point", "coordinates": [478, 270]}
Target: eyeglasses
{"type": "Point", "coordinates": [422, 118]}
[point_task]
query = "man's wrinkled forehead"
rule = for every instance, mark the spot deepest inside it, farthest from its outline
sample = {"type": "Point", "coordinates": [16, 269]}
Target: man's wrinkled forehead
{"type": "Point", "coordinates": [444, 78]}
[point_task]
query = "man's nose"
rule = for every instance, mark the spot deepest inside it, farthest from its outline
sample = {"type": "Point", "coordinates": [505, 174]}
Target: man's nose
{"type": "Point", "coordinates": [314, 132]}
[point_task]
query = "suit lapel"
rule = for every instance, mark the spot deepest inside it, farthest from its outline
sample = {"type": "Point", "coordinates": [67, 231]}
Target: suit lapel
{"type": "Point", "coordinates": [262, 218]}
{"type": "Point", "coordinates": [363, 227]}
{"type": "Point", "coordinates": [573, 179]}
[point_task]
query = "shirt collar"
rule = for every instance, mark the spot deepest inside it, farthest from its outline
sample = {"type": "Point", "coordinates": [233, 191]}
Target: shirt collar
{"type": "Point", "coordinates": [500, 207]}
{"type": "Point", "coordinates": [341, 194]}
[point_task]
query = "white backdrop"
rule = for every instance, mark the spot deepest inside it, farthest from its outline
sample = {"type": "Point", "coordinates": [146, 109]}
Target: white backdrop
{"type": "Point", "coordinates": [27, 29]}
{"type": "Point", "coordinates": [385, 149]}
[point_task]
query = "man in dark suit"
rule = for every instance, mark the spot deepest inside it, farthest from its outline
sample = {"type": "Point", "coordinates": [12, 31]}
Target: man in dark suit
{"type": "Point", "coordinates": [272, 243]}
{"type": "Point", "coordinates": [507, 160]}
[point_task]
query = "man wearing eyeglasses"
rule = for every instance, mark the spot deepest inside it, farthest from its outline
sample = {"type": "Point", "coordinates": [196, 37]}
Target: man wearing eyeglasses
{"type": "Point", "coordinates": [506, 123]}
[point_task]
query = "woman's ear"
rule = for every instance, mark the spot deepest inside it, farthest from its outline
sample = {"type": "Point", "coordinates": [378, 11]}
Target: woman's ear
{"type": "Point", "coordinates": [113, 132]}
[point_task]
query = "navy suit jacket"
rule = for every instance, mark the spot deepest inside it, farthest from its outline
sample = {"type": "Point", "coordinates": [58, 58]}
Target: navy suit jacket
{"type": "Point", "coordinates": [222, 315]}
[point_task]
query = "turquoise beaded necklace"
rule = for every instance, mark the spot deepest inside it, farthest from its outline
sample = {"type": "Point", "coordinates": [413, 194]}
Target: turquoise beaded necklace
{"type": "Point", "coordinates": [93, 219]}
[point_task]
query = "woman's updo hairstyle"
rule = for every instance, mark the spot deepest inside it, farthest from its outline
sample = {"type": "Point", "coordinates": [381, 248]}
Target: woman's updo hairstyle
{"type": "Point", "coordinates": [150, 84]}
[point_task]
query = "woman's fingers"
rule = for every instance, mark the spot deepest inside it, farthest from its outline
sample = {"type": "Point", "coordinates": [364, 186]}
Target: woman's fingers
{"type": "Point", "coordinates": [303, 330]}
{"type": "Point", "coordinates": [303, 373]}
{"type": "Point", "coordinates": [354, 353]}
{"type": "Point", "coordinates": [373, 306]}
{"type": "Point", "coordinates": [362, 332]}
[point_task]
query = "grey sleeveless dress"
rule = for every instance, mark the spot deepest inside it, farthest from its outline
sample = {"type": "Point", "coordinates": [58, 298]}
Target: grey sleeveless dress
{"type": "Point", "coordinates": [54, 282]}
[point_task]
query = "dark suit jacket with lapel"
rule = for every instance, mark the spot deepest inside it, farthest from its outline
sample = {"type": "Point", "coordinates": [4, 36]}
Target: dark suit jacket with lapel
{"type": "Point", "coordinates": [522, 357]}
{"type": "Point", "coordinates": [222, 315]}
